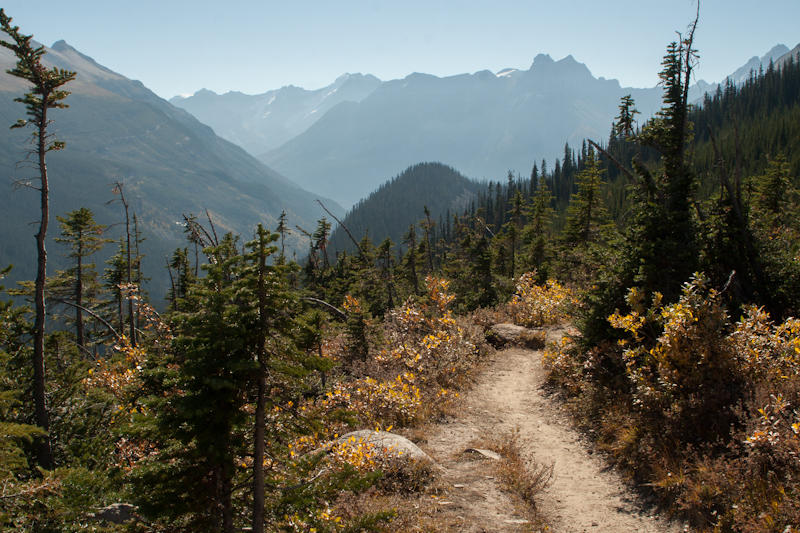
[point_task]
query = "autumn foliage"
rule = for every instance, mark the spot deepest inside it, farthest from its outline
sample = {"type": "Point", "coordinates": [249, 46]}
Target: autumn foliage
{"type": "Point", "coordinates": [709, 411]}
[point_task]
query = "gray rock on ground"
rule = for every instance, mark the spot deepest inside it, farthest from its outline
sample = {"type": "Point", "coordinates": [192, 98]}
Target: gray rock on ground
{"type": "Point", "coordinates": [504, 334]}
{"type": "Point", "coordinates": [389, 444]}
{"type": "Point", "coordinates": [116, 513]}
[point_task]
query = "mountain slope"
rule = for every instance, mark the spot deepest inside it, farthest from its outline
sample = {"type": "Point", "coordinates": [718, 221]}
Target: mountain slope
{"type": "Point", "coordinates": [265, 121]}
{"type": "Point", "coordinates": [484, 124]}
{"type": "Point", "coordinates": [401, 201]}
{"type": "Point", "coordinates": [118, 130]}
{"type": "Point", "coordinates": [755, 63]}
{"type": "Point", "coordinates": [793, 55]}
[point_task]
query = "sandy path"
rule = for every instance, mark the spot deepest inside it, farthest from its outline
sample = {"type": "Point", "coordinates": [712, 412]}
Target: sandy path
{"type": "Point", "coordinates": [584, 494]}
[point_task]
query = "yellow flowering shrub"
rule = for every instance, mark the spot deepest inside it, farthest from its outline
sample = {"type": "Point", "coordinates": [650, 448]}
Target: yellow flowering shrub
{"type": "Point", "coordinates": [421, 359]}
{"type": "Point", "coordinates": [386, 401]}
{"type": "Point", "coordinates": [538, 305]}
{"type": "Point", "coordinates": [562, 364]}
{"type": "Point", "coordinates": [697, 365]}
{"type": "Point", "coordinates": [424, 338]}
{"type": "Point", "coordinates": [703, 408]}
{"type": "Point", "coordinates": [688, 375]}
{"type": "Point", "coordinates": [359, 453]}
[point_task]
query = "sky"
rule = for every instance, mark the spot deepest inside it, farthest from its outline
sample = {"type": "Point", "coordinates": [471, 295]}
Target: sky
{"type": "Point", "coordinates": [180, 46]}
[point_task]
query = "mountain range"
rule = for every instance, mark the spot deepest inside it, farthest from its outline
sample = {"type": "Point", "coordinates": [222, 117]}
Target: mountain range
{"type": "Point", "coordinates": [171, 164]}
{"type": "Point", "coordinates": [359, 130]}
{"type": "Point", "coordinates": [341, 141]}
{"type": "Point", "coordinates": [265, 121]}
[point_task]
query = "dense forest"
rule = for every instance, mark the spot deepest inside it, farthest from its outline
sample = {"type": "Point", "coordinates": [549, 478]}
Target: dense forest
{"type": "Point", "coordinates": [675, 244]}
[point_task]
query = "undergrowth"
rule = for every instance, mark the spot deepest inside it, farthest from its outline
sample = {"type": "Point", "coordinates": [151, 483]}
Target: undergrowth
{"type": "Point", "coordinates": [392, 375]}
{"type": "Point", "coordinates": [703, 410]}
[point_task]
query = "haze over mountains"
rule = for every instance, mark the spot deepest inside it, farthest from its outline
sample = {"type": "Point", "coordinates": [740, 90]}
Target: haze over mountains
{"type": "Point", "coordinates": [776, 55]}
{"type": "Point", "coordinates": [483, 124]}
{"type": "Point", "coordinates": [265, 121]}
{"type": "Point", "coordinates": [342, 141]}
{"type": "Point", "coordinates": [118, 130]}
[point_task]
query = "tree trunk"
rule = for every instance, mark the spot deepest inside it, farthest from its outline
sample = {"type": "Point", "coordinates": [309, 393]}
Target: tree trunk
{"type": "Point", "coordinates": [223, 521]}
{"type": "Point", "coordinates": [43, 448]}
{"type": "Point", "coordinates": [258, 454]}
{"type": "Point", "coordinates": [79, 332]}
{"type": "Point", "coordinates": [131, 314]}
{"type": "Point", "coordinates": [260, 422]}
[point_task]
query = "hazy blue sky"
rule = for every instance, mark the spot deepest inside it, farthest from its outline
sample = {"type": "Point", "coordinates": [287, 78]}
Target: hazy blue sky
{"type": "Point", "coordinates": [180, 46]}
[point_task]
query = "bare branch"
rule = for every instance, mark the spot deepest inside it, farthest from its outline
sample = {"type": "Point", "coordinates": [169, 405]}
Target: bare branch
{"type": "Point", "coordinates": [91, 313]}
{"type": "Point", "coordinates": [358, 246]}
{"type": "Point", "coordinates": [213, 230]}
{"type": "Point", "coordinates": [612, 159]}
{"type": "Point", "coordinates": [479, 219]}
{"type": "Point", "coordinates": [328, 306]}
{"type": "Point", "coordinates": [304, 232]}
{"type": "Point", "coordinates": [193, 226]}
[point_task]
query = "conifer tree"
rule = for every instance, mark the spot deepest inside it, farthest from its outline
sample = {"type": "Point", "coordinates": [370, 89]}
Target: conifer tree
{"type": "Point", "coordinates": [387, 270]}
{"type": "Point", "coordinates": [130, 265]}
{"type": "Point", "coordinates": [410, 260]}
{"type": "Point", "coordinates": [320, 241]}
{"type": "Point", "coordinates": [536, 232]}
{"type": "Point", "coordinates": [84, 237]}
{"type": "Point", "coordinates": [586, 210]}
{"type": "Point", "coordinates": [196, 395]}
{"type": "Point", "coordinates": [428, 228]}
{"type": "Point", "coordinates": [512, 230]}
{"type": "Point", "coordinates": [183, 278]}
{"type": "Point", "coordinates": [46, 94]}
{"type": "Point", "coordinates": [262, 280]}
{"type": "Point", "coordinates": [114, 276]}
{"type": "Point", "coordinates": [283, 230]}
{"type": "Point", "coordinates": [16, 435]}
{"type": "Point", "coordinates": [659, 249]}
{"type": "Point", "coordinates": [480, 274]}
{"type": "Point", "coordinates": [624, 122]}
{"type": "Point", "coordinates": [661, 244]}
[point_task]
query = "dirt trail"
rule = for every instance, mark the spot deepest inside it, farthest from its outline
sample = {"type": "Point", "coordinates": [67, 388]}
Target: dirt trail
{"type": "Point", "coordinates": [584, 496]}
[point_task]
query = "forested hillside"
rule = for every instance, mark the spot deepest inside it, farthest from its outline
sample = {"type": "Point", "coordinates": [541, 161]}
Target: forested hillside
{"type": "Point", "coordinates": [394, 206]}
{"type": "Point", "coordinates": [170, 164]}
{"type": "Point", "coordinates": [744, 125]}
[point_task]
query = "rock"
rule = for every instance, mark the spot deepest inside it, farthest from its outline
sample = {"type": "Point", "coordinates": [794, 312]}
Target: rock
{"type": "Point", "coordinates": [489, 454]}
{"type": "Point", "coordinates": [505, 333]}
{"type": "Point", "coordinates": [116, 513]}
{"type": "Point", "coordinates": [388, 444]}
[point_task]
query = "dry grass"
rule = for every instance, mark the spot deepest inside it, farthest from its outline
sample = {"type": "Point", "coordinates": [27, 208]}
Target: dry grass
{"type": "Point", "coordinates": [486, 318]}
{"type": "Point", "coordinates": [419, 511]}
{"type": "Point", "coordinates": [520, 475]}
{"type": "Point", "coordinates": [533, 339]}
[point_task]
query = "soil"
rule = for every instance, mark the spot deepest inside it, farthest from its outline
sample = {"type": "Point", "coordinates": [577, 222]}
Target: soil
{"type": "Point", "coordinates": [585, 495]}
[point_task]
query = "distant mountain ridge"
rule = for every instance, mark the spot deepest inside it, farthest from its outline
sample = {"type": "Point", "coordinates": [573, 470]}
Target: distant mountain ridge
{"type": "Point", "coordinates": [483, 124]}
{"type": "Point", "coordinates": [755, 63]}
{"type": "Point", "coordinates": [793, 54]}
{"type": "Point", "coordinates": [118, 130]}
{"type": "Point", "coordinates": [265, 121]}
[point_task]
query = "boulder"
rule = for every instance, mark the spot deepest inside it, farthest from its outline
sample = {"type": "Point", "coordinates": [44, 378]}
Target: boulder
{"type": "Point", "coordinates": [389, 445]}
{"type": "Point", "coordinates": [116, 513]}
{"type": "Point", "coordinates": [487, 454]}
{"type": "Point", "coordinates": [504, 334]}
